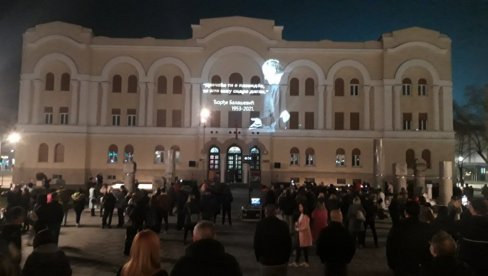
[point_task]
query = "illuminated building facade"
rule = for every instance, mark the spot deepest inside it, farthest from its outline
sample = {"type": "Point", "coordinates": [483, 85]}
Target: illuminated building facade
{"type": "Point", "coordinates": [356, 110]}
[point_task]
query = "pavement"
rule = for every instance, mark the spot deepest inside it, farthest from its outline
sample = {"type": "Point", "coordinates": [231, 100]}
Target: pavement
{"type": "Point", "coordinates": [96, 251]}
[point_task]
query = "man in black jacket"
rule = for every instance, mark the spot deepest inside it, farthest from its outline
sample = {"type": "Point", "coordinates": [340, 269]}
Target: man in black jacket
{"type": "Point", "coordinates": [407, 245]}
{"type": "Point", "coordinates": [272, 243]}
{"type": "Point", "coordinates": [473, 243]}
{"type": "Point", "coordinates": [335, 245]}
{"type": "Point", "coordinates": [206, 256]}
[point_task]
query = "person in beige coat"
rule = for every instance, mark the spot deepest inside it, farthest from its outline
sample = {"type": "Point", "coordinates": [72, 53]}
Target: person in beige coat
{"type": "Point", "coordinates": [304, 237]}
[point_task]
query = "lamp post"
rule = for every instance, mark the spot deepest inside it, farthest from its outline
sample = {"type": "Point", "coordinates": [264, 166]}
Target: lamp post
{"type": "Point", "coordinates": [204, 115]}
{"type": "Point", "coordinates": [460, 167]}
{"type": "Point", "coordinates": [12, 138]}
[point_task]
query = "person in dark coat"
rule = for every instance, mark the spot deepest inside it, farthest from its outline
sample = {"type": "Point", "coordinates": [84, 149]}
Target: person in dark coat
{"type": "Point", "coordinates": [371, 211]}
{"type": "Point", "coordinates": [51, 215]}
{"type": "Point", "coordinates": [407, 245]}
{"type": "Point", "coordinates": [473, 231]}
{"type": "Point", "coordinates": [192, 215]}
{"type": "Point", "coordinates": [444, 222]}
{"type": "Point", "coordinates": [227, 199]}
{"type": "Point", "coordinates": [445, 263]}
{"type": "Point", "coordinates": [46, 259]}
{"type": "Point", "coordinates": [108, 204]}
{"type": "Point", "coordinates": [206, 256]}
{"type": "Point", "coordinates": [11, 234]}
{"type": "Point", "coordinates": [272, 243]}
{"type": "Point", "coordinates": [79, 202]}
{"type": "Point", "coordinates": [335, 245]}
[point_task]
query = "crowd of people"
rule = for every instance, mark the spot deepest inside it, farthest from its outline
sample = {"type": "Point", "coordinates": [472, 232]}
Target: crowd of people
{"type": "Point", "coordinates": [332, 221]}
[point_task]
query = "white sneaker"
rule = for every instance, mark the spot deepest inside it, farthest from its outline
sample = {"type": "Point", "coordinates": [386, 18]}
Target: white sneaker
{"type": "Point", "coordinates": [304, 264]}
{"type": "Point", "coordinates": [294, 264]}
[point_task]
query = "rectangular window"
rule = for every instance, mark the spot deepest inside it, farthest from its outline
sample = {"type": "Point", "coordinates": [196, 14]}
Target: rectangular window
{"type": "Point", "coordinates": [341, 181]}
{"type": "Point", "coordinates": [422, 90]}
{"type": "Point", "coordinates": [309, 120]}
{"type": "Point", "coordinates": [422, 121]}
{"type": "Point", "coordinates": [176, 118]}
{"type": "Point", "coordinates": [355, 161]}
{"type": "Point", "coordinates": [235, 119]}
{"type": "Point", "coordinates": [407, 121]}
{"type": "Point", "coordinates": [339, 120]}
{"type": "Point", "coordinates": [116, 117]}
{"type": "Point", "coordinates": [161, 118]}
{"type": "Point", "coordinates": [406, 89]}
{"type": "Point", "coordinates": [215, 118]}
{"type": "Point", "coordinates": [63, 116]}
{"type": "Point", "coordinates": [354, 121]}
{"type": "Point", "coordinates": [131, 117]}
{"type": "Point", "coordinates": [48, 115]}
{"type": "Point", "coordinates": [293, 120]}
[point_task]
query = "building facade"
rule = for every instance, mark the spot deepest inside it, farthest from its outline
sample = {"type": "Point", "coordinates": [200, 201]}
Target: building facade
{"type": "Point", "coordinates": [358, 111]}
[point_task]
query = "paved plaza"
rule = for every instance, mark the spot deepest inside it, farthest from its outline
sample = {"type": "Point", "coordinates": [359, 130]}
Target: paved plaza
{"type": "Point", "coordinates": [96, 251]}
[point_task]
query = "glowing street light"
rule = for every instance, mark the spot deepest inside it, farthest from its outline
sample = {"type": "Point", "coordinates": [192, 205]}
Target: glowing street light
{"type": "Point", "coordinates": [12, 138]}
{"type": "Point", "coordinates": [460, 167]}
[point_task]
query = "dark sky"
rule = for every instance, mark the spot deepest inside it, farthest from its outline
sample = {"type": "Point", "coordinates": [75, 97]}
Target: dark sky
{"type": "Point", "coordinates": [464, 21]}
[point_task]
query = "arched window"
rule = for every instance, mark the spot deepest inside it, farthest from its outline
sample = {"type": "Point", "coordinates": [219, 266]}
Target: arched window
{"type": "Point", "coordinates": [113, 154]}
{"type": "Point", "coordinates": [309, 157]}
{"type": "Point", "coordinates": [309, 87]}
{"type": "Point", "coordinates": [356, 153]}
{"type": "Point", "coordinates": [354, 87]}
{"type": "Point", "coordinates": [58, 153]}
{"type": "Point", "coordinates": [65, 82]}
{"type": "Point", "coordinates": [339, 87]}
{"type": "Point", "coordinates": [49, 82]}
{"type": "Point", "coordinates": [255, 81]}
{"type": "Point", "coordinates": [294, 87]}
{"type": "Point", "coordinates": [176, 153]}
{"type": "Point", "coordinates": [236, 80]}
{"type": "Point", "coordinates": [294, 156]}
{"type": "Point", "coordinates": [216, 82]}
{"type": "Point", "coordinates": [132, 84]}
{"type": "Point", "coordinates": [340, 158]}
{"type": "Point", "coordinates": [406, 87]}
{"type": "Point", "coordinates": [422, 87]}
{"type": "Point", "coordinates": [426, 157]}
{"type": "Point", "coordinates": [214, 158]}
{"type": "Point", "coordinates": [177, 85]}
{"type": "Point", "coordinates": [128, 153]}
{"type": "Point", "coordinates": [410, 158]}
{"type": "Point", "coordinates": [162, 85]}
{"type": "Point", "coordinates": [116, 84]}
{"type": "Point", "coordinates": [159, 154]}
{"type": "Point", "coordinates": [43, 153]}
{"type": "Point", "coordinates": [256, 159]}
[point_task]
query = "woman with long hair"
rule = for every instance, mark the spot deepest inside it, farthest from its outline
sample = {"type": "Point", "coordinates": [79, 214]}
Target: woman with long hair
{"type": "Point", "coordinates": [144, 256]}
{"type": "Point", "coordinates": [302, 226]}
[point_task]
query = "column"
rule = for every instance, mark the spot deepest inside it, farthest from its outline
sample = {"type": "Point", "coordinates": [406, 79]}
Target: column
{"type": "Point", "coordinates": [196, 104]}
{"type": "Point", "coordinates": [379, 161]}
{"type": "Point", "coordinates": [435, 107]}
{"type": "Point", "coordinates": [36, 109]}
{"type": "Point", "coordinates": [104, 104]}
{"type": "Point", "coordinates": [25, 99]}
{"type": "Point", "coordinates": [141, 112]}
{"type": "Point", "coordinates": [367, 113]}
{"type": "Point", "coordinates": [388, 103]}
{"type": "Point", "coordinates": [93, 105]}
{"type": "Point", "coordinates": [223, 163]}
{"type": "Point", "coordinates": [445, 187]}
{"type": "Point", "coordinates": [320, 109]}
{"type": "Point", "coordinates": [397, 108]}
{"type": "Point", "coordinates": [447, 108]}
{"type": "Point", "coordinates": [328, 106]}
{"type": "Point", "coordinates": [73, 110]}
{"type": "Point", "coordinates": [429, 191]}
{"type": "Point", "coordinates": [150, 104]}
{"type": "Point", "coordinates": [188, 112]}
{"type": "Point", "coordinates": [84, 109]}
{"type": "Point", "coordinates": [283, 97]}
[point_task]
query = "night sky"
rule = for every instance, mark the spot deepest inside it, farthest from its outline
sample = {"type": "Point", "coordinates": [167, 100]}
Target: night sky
{"type": "Point", "coordinates": [464, 21]}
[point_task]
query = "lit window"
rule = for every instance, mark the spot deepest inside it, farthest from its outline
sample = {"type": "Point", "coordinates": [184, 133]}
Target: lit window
{"type": "Point", "coordinates": [356, 153]}
{"type": "Point", "coordinates": [214, 159]}
{"type": "Point", "coordinates": [128, 153]}
{"type": "Point", "coordinates": [294, 156]}
{"type": "Point", "coordinates": [113, 154]}
{"type": "Point", "coordinates": [309, 157]}
{"type": "Point", "coordinates": [159, 154]}
{"type": "Point", "coordinates": [340, 158]}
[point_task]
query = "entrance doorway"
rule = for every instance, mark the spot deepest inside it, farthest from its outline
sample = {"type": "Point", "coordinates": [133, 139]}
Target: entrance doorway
{"type": "Point", "coordinates": [233, 171]}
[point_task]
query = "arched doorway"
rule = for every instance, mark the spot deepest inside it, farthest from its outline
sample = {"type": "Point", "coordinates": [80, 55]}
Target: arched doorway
{"type": "Point", "coordinates": [255, 165]}
{"type": "Point", "coordinates": [233, 171]}
{"type": "Point", "coordinates": [214, 164]}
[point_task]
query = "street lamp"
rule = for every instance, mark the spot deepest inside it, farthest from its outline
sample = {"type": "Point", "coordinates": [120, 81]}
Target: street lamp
{"type": "Point", "coordinates": [460, 167]}
{"type": "Point", "coordinates": [12, 138]}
